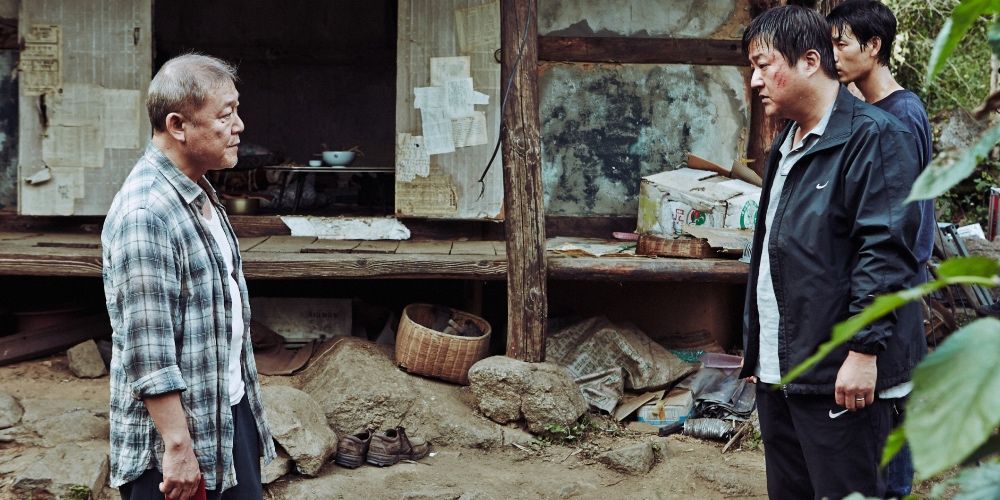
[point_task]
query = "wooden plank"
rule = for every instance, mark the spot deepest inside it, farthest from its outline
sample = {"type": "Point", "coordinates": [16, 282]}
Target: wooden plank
{"type": "Point", "coordinates": [648, 269]}
{"type": "Point", "coordinates": [425, 247]}
{"type": "Point", "coordinates": [473, 248]}
{"type": "Point", "coordinates": [372, 266]}
{"type": "Point", "coordinates": [31, 344]}
{"type": "Point", "coordinates": [69, 240]}
{"type": "Point", "coordinates": [331, 246]}
{"type": "Point", "coordinates": [683, 247]}
{"type": "Point", "coordinates": [527, 307]}
{"type": "Point", "coordinates": [500, 247]}
{"type": "Point", "coordinates": [247, 243]}
{"type": "Point", "coordinates": [377, 246]}
{"type": "Point", "coordinates": [632, 50]}
{"type": "Point", "coordinates": [284, 244]}
{"type": "Point", "coordinates": [38, 261]}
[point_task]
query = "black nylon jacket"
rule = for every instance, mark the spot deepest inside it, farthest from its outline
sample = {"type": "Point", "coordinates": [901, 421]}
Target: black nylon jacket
{"type": "Point", "coordinates": [841, 236]}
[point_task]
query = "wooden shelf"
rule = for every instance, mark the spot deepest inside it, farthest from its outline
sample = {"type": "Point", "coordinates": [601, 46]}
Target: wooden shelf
{"type": "Point", "coordinates": [288, 257]}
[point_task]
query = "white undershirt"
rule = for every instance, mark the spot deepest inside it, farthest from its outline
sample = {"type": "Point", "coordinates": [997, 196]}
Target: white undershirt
{"type": "Point", "coordinates": [234, 371]}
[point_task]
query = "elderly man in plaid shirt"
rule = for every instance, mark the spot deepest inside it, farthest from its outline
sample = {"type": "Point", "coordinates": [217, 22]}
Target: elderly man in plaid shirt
{"type": "Point", "coordinates": [185, 399]}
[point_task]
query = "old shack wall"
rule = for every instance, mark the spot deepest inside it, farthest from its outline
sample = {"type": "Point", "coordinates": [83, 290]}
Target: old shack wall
{"type": "Point", "coordinates": [8, 103]}
{"type": "Point", "coordinates": [604, 126]}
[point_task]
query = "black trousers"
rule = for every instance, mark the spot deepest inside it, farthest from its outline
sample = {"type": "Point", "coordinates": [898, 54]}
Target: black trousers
{"type": "Point", "coordinates": [816, 449]}
{"type": "Point", "coordinates": [246, 460]}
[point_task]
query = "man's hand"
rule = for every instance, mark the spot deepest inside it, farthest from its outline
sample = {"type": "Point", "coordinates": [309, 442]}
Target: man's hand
{"type": "Point", "coordinates": [855, 387]}
{"type": "Point", "coordinates": [181, 473]}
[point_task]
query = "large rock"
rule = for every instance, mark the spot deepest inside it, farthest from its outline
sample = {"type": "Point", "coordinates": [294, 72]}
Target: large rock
{"type": "Point", "coordinates": [59, 421]}
{"type": "Point", "coordinates": [10, 411]}
{"type": "Point", "coordinates": [66, 471]}
{"type": "Point", "coordinates": [635, 459]}
{"type": "Point", "coordinates": [542, 393]}
{"type": "Point", "coordinates": [278, 467]}
{"type": "Point", "coordinates": [299, 426]}
{"type": "Point", "coordinates": [85, 360]}
{"type": "Point", "coordinates": [357, 384]}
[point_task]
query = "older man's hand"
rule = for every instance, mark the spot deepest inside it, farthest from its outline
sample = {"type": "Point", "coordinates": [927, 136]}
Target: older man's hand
{"type": "Point", "coordinates": [181, 474]}
{"type": "Point", "coordinates": [855, 386]}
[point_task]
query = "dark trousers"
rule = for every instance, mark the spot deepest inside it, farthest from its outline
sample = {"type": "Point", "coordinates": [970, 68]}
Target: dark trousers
{"type": "Point", "coordinates": [811, 450]}
{"type": "Point", "coordinates": [899, 471]}
{"type": "Point", "coordinates": [246, 460]}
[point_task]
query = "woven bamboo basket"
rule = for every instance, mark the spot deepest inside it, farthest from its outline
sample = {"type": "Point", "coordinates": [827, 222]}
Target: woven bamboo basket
{"type": "Point", "coordinates": [423, 350]}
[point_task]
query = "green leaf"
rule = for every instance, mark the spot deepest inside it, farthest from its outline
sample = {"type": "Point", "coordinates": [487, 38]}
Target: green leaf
{"type": "Point", "coordinates": [984, 267]}
{"type": "Point", "coordinates": [955, 404]}
{"type": "Point", "coordinates": [979, 483]}
{"type": "Point", "coordinates": [988, 449]}
{"type": "Point", "coordinates": [945, 171]}
{"type": "Point", "coordinates": [955, 27]}
{"type": "Point", "coordinates": [893, 443]}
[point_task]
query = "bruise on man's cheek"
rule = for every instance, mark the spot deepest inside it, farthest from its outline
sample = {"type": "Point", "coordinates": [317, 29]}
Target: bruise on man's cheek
{"type": "Point", "coordinates": [779, 79]}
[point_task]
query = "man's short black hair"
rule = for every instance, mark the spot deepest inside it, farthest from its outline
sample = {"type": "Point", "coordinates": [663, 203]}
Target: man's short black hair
{"type": "Point", "coordinates": [792, 31]}
{"type": "Point", "coordinates": [867, 19]}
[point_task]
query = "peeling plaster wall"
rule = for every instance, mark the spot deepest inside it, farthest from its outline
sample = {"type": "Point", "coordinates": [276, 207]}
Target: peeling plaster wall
{"type": "Point", "coordinates": [8, 129]}
{"type": "Point", "coordinates": [605, 126]}
{"type": "Point", "coordinates": [643, 18]}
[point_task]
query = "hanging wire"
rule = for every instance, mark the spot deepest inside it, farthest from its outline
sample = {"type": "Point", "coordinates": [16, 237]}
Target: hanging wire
{"type": "Point", "coordinates": [503, 105]}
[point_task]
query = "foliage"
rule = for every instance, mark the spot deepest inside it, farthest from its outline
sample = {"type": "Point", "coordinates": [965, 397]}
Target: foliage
{"type": "Point", "coordinates": [962, 80]}
{"type": "Point", "coordinates": [562, 434]}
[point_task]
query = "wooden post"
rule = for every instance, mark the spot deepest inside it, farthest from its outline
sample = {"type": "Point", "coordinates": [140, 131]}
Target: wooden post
{"type": "Point", "coordinates": [524, 213]}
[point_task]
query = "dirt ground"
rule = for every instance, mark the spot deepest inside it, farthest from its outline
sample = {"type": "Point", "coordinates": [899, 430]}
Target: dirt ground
{"type": "Point", "coordinates": [689, 467]}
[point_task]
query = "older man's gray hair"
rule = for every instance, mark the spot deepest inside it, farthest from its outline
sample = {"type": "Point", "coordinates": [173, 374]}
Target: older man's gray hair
{"type": "Point", "coordinates": [183, 84]}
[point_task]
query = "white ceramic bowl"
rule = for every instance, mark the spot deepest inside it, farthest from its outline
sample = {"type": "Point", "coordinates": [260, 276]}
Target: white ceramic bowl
{"type": "Point", "coordinates": [315, 163]}
{"type": "Point", "coordinates": [338, 157]}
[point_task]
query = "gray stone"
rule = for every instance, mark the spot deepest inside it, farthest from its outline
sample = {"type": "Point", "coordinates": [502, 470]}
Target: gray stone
{"type": "Point", "coordinates": [66, 471]}
{"type": "Point", "coordinates": [958, 129]}
{"type": "Point", "coordinates": [10, 411]}
{"type": "Point", "coordinates": [299, 426]}
{"type": "Point", "coordinates": [542, 393]}
{"type": "Point", "coordinates": [278, 467]}
{"type": "Point", "coordinates": [382, 396]}
{"type": "Point", "coordinates": [69, 427]}
{"type": "Point", "coordinates": [576, 489]}
{"type": "Point", "coordinates": [85, 360]}
{"type": "Point", "coordinates": [635, 459]}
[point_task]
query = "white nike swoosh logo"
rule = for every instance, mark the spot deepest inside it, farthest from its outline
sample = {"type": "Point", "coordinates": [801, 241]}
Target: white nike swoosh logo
{"type": "Point", "coordinates": [839, 413]}
{"type": "Point", "coordinates": [823, 185]}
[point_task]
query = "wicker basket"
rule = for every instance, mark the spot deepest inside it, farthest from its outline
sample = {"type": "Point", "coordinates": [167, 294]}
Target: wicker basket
{"type": "Point", "coordinates": [422, 350]}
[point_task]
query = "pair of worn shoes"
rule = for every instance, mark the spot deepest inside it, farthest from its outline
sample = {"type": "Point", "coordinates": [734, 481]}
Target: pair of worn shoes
{"type": "Point", "coordinates": [382, 449]}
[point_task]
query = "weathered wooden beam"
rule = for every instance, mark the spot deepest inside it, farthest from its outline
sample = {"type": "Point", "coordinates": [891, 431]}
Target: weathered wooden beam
{"type": "Point", "coordinates": [524, 212]}
{"type": "Point", "coordinates": [653, 269]}
{"type": "Point", "coordinates": [641, 50]}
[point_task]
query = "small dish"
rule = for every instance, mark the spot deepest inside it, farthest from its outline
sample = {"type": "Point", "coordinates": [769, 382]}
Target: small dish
{"type": "Point", "coordinates": [315, 163]}
{"type": "Point", "coordinates": [338, 158]}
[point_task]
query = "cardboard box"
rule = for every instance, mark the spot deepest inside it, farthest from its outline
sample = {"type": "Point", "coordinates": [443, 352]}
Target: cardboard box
{"type": "Point", "coordinates": [670, 200]}
{"type": "Point", "coordinates": [673, 408]}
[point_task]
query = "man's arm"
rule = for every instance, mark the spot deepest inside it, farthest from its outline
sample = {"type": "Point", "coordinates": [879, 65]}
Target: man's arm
{"type": "Point", "coordinates": [181, 473]}
{"type": "Point", "coordinates": [884, 227]}
{"type": "Point", "coordinates": [143, 264]}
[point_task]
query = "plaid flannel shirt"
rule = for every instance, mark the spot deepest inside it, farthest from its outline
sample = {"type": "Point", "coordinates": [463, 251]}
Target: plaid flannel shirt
{"type": "Point", "coordinates": [168, 299]}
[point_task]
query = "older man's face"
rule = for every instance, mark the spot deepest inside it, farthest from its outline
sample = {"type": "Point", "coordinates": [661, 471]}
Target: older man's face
{"type": "Point", "coordinates": [213, 133]}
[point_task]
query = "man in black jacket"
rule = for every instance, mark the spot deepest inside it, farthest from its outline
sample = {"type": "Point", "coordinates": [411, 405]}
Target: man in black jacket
{"type": "Point", "coordinates": [834, 235]}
